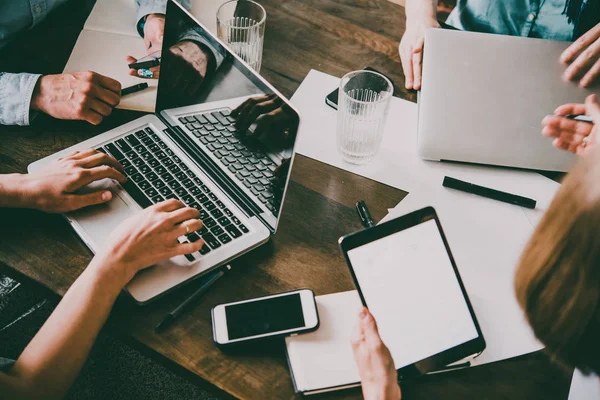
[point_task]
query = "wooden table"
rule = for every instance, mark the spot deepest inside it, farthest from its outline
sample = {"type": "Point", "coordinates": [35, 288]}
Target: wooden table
{"type": "Point", "coordinates": [334, 36]}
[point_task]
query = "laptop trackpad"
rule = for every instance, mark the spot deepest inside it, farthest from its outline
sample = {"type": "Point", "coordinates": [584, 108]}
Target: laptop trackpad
{"type": "Point", "coordinates": [97, 222]}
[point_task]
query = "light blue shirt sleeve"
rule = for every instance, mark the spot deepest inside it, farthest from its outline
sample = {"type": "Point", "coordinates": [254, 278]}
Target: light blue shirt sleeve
{"type": "Point", "coordinates": [16, 91]}
{"type": "Point", "coordinates": [146, 7]}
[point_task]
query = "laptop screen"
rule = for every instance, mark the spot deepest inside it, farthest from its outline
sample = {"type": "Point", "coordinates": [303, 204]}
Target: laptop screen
{"type": "Point", "coordinates": [233, 117]}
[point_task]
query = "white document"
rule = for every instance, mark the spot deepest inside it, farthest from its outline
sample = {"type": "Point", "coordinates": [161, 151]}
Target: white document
{"type": "Point", "coordinates": [323, 359]}
{"type": "Point", "coordinates": [397, 163]}
{"type": "Point", "coordinates": [108, 37]}
{"type": "Point", "coordinates": [410, 287]}
{"type": "Point", "coordinates": [486, 238]}
{"type": "Point", "coordinates": [584, 387]}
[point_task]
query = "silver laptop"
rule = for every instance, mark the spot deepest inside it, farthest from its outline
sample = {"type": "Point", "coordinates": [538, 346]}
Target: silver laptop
{"type": "Point", "coordinates": [484, 96]}
{"type": "Point", "coordinates": [192, 150]}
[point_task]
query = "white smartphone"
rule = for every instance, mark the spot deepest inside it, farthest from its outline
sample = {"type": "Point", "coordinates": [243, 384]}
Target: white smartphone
{"type": "Point", "coordinates": [280, 314]}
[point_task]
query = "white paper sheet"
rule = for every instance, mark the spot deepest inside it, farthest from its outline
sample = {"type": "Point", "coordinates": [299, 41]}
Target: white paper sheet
{"type": "Point", "coordinates": [584, 387]}
{"type": "Point", "coordinates": [397, 163]}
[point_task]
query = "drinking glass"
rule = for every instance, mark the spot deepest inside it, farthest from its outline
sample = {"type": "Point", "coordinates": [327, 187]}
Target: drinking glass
{"type": "Point", "coordinates": [241, 25]}
{"type": "Point", "coordinates": [363, 103]}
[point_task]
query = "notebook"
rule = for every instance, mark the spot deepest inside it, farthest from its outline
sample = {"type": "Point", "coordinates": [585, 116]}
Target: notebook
{"type": "Point", "coordinates": [322, 361]}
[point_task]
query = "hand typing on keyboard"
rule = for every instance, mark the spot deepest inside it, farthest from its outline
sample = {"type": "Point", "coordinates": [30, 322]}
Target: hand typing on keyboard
{"type": "Point", "coordinates": [150, 237]}
{"type": "Point", "coordinates": [53, 189]}
{"type": "Point", "coordinates": [276, 123]}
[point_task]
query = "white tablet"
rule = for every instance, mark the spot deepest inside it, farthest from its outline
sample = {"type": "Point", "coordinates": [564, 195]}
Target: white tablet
{"type": "Point", "coordinates": [406, 276]}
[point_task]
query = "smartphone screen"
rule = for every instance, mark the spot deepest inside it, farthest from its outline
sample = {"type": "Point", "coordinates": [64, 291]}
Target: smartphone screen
{"type": "Point", "coordinates": [264, 316]}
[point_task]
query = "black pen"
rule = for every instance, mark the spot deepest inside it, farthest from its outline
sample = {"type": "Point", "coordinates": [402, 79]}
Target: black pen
{"type": "Point", "coordinates": [168, 320]}
{"type": "Point", "coordinates": [364, 214]}
{"type": "Point", "coordinates": [581, 118]}
{"type": "Point", "coordinates": [489, 193]}
{"type": "Point", "coordinates": [134, 89]}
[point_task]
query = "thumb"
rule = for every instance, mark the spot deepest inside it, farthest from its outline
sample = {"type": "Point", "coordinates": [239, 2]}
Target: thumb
{"type": "Point", "coordinates": [592, 108]}
{"type": "Point", "coordinates": [77, 201]}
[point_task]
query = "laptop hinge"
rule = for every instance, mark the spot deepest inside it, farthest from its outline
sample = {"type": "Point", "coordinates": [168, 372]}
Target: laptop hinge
{"type": "Point", "coordinates": [213, 170]}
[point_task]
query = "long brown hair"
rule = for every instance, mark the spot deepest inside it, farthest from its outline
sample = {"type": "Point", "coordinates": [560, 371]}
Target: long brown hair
{"type": "Point", "coordinates": [558, 278]}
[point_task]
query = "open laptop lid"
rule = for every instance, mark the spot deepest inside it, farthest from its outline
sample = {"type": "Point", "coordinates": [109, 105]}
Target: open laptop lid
{"type": "Point", "coordinates": [197, 69]}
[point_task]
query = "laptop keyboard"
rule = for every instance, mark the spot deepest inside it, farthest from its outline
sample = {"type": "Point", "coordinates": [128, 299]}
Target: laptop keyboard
{"type": "Point", "coordinates": [154, 173]}
{"type": "Point", "coordinates": [245, 160]}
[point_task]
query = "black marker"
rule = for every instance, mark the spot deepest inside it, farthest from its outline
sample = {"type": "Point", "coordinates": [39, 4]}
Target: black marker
{"type": "Point", "coordinates": [134, 89]}
{"type": "Point", "coordinates": [489, 193]}
{"type": "Point", "coordinates": [168, 320]}
{"type": "Point", "coordinates": [364, 214]}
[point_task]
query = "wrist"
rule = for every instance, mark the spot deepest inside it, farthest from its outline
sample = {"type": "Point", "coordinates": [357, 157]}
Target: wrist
{"type": "Point", "coordinates": [36, 98]}
{"type": "Point", "coordinates": [421, 11]}
{"type": "Point", "coordinates": [150, 17]}
{"type": "Point", "coordinates": [112, 272]}
{"type": "Point", "coordinates": [16, 191]}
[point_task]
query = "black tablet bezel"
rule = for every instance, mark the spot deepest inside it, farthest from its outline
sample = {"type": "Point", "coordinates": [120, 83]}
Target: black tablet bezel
{"type": "Point", "coordinates": [440, 360]}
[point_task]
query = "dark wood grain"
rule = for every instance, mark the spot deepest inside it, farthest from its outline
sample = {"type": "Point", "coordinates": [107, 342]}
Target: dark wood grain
{"type": "Point", "coordinates": [334, 36]}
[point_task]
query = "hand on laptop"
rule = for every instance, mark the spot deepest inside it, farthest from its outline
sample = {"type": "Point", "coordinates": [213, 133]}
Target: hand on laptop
{"type": "Point", "coordinates": [188, 68]}
{"type": "Point", "coordinates": [150, 237]}
{"type": "Point", "coordinates": [584, 58]}
{"type": "Point", "coordinates": [277, 125]}
{"type": "Point", "coordinates": [375, 364]}
{"type": "Point", "coordinates": [53, 189]}
{"type": "Point", "coordinates": [154, 31]}
{"type": "Point", "coordinates": [571, 135]}
{"type": "Point", "coordinates": [411, 50]}
{"type": "Point", "coordinates": [84, 96]}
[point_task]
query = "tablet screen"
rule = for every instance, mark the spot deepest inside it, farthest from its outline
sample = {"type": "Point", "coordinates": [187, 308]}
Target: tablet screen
{"type": "Point", "coordinates": [409, 285]}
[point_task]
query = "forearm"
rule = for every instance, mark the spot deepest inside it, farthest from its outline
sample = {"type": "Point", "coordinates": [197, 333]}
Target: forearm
{"type": "Point", "coordinates": [13, 191]}
{"type": "Point", "coordinates": [16, 92]}
{"type": "Point", "coordinates": [420, 9]}
{"type": "Point", "coordinates": [51, 362]}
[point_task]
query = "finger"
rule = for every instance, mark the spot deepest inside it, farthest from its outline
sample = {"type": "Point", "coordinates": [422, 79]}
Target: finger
{"type": "Point", "coordinates": [560, 144]}
{"type": "Point", "coordinates": [239, 108]}
{"type": "Point", "coordinates": [256, 111]}
{"type": "Point", "coordinates": [90, 116]}
{"type": "Point", "coordinates": [176, 217]}
{"type": "Point", "coordinates": [107, 83]}
{"type": "Point", "coordinates": [566, 125]}
{"type": "Point", "coordinates": [585, 40]}
{"type": "Point", "coordinates": [101, 159]}
{"type": "Point", "coordinates": [90, 175]}
{"type": "Point", "coordinates": [106, 96]}
{"type": "Point", "coordinates": [78, 155]}
{"type": "Point", "coordinates": [590, 76]}
{"type": "Point", "coordinates": [100, 107]}
{"type": "Point", "coordinates": [169, 205]}
{"type": "Point", "coordinates": [358, 335]}
{"type": "Point", "coordinates": [77, 201]}
{"type": "Point", "coordinates": [130, 60]}
{"type": "Point", "coordinates": [570, 109]}
{"type": "Point", "coordinates": [417, 59]}
{"type": "Point", "coordinates": [583, 61]}
{"type": "Point", "coordinates": [187, 227]}
{"type": "Point", "coordinates": [186, 248]}
{"type": "Point", "coordinates": [407, 68]}
{"type": "Point", "coordinates": [254, 102]}
{"type": "Point", "coordinates": [593, 109]}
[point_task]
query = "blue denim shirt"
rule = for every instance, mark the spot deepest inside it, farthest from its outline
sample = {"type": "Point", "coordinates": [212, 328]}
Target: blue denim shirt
{"type": "Point", "coordinates": [531, 18]}
{"type": "Point", "coordinates": [16, 90]}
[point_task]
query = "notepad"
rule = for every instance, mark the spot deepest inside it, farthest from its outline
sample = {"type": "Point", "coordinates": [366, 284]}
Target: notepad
{"type": "Point", "coordinates": [108, 37]}
{"type": "Point", "coordinates": [322, 361]}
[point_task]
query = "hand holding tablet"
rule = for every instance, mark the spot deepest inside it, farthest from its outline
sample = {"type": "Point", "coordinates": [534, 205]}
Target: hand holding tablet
{"type": "Point", "coordinates": [406, 276]}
